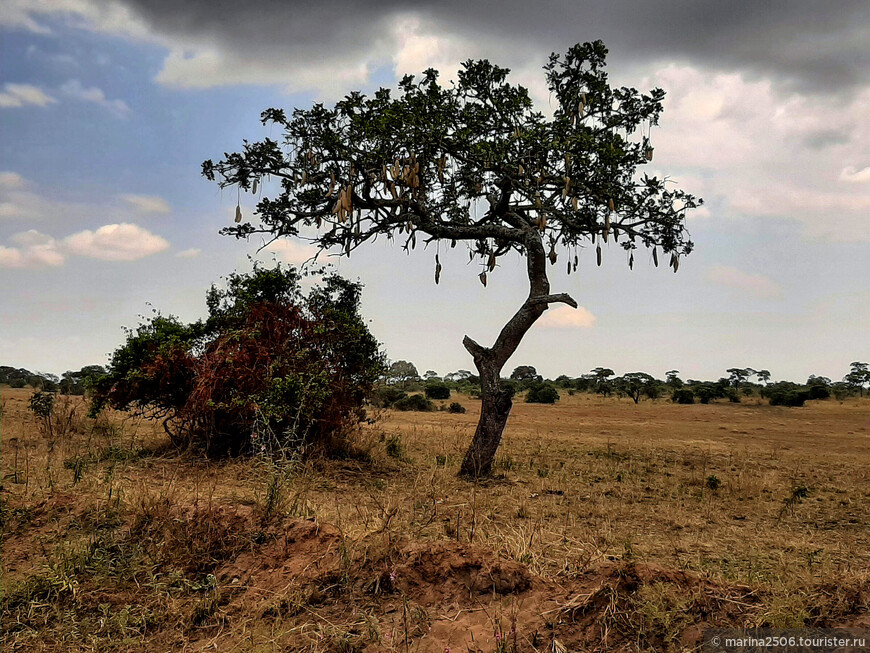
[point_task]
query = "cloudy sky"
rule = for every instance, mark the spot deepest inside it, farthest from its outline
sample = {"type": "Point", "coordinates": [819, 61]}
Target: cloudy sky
{"type": "Point", "coordinates": [108, 108]}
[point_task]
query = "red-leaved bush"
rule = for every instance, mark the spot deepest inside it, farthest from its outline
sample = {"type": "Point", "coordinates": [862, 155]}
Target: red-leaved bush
{"type": "Point", "coordinates": [269, 371]}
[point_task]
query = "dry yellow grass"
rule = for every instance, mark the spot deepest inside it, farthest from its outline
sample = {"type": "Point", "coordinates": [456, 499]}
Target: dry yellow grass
{"type": "Point", "coordinates": [598, 476]}
{"type": "Point", "coordinates": [583, 482]}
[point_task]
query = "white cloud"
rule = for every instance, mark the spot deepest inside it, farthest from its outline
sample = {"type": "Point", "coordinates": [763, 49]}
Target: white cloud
{"type": "Point", "coordinates": [852, 174]}
{"type": "Point", "coordinates": [115, 242]}
{"type": "Point", "coordinates": [74, 89]}
{"type": "Point", "coordinates": [111, 242]}
{"type": "Point", "coordinates": [16, 14]}
{"type": "Point", "coordinates": [565, 317]}
{"type": "Point", "coordinates": [32, 250]}
{"type": "Point", "coordinates": [329, 77]}
{"type": "Point", "coordinates": [756, 285]}
{"type": "Point", "coordinates": [148, 203]}
{"type": "Point", "coordinates": [417, 49]}
{"type": "Point", "coordinates": [11, 180]}
{"type": "Point", "coordinates": [111, 17]}
{"type": "Point", "coordinates": [289, 251]}
{"type": "Point", "coordinates": [754, 152]}
{"type": "Point", "coordinates": [193, 252]}
{"type": "Point", "coordinates": [17, 201]}
{"type": "Point", "coordinates": [19, 95]}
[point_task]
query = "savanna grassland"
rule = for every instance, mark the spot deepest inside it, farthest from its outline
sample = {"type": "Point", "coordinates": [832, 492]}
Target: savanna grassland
{"type": "Point", "coordinates": [610, 526]}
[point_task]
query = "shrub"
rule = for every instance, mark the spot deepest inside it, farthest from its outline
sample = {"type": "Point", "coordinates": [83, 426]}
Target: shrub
{"type": "Point", "coordinates": [542, 393]}
{"type": "Point", "coordinates": [437, 390]}
{"type": "Point", "coordinates": [386, 396]}
{"type": "Point", "coordinates": [841, 390]}
{"type": "Point", "coordinates": [455, 407]}
{"type": "Point", "coordinates": [706, 392]}
{"type": "Point", "coordinates": [394, 447]}
{"type": "Point", "coordinates": [270, 369]}
{"type": "Point", "coordinates": [653, 391]}
{"type": "Point", "coordinates": [712, 482]}
{"type": "Point", "coordinates": [17, 383]}
{"type": "Point", "coordinates": [785, 393]}
{"type": "Point", "coordinates": [414, 402]}
{"type": "Point", "coordinates": [42, 403]}
{"type": "Point", "coordinates": [791, 398]}
{"type": "Point", "coordinates": [683, 396]}
{"type": "Point", "coordinates": [819, 392]}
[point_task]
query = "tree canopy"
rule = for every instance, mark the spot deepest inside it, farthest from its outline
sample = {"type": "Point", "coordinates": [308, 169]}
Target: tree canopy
{"type": "Point", "coordinates": [473, 161]}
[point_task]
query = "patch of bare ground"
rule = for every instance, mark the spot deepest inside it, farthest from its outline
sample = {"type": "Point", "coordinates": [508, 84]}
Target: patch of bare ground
{"type": "Point", "coordinates": [604, 532]}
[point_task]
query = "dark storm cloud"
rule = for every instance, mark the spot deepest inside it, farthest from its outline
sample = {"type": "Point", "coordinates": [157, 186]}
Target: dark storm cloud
{"type": "Point", "coordinates": [811, 45]}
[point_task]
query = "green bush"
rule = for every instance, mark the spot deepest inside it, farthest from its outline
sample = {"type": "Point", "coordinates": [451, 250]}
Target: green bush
{"type": "Point", "coordinates": [455, 407]}
{"type": "Point", "coordinates": [437, 390]}
{"type": "Point", "coordinates": [542, 393]}
{"type": "Point", "coordinates": [683, 396]}
{"type": "Point", "coordinates": [791, 398]}
{"type": "Point", "coordinates": [790, 394]}
{"type": "Point", "coordinates": [17, 383]}
{"type": "Point", "coordinates": [414, 402]}
{"type": "Point", "coordinates": [653, 391]}
{"type": "Point", "coordinates": [819, 392]}
{"type": "Point", "coordinates": [386, 396]}
{"type": "Point", "coordinates": [269, 370]}
{"type": "Point", "coordinates": [706, 392]}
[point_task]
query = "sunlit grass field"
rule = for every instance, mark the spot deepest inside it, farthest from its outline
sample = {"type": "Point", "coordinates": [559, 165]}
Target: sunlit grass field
{"type": "Point", "coordinates": [718, 514]}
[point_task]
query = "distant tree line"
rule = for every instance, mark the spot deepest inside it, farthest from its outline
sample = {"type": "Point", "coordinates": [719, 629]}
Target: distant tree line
{"type": "Point", "coordinates": [402, 378]}
{"type": "Point", "coordinates": [68, 383]}
{"type": "Point", "coordinates": [401, 381]}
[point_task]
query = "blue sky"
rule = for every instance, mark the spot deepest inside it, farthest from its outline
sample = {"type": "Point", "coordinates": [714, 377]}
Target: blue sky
{"type": "Point", "coordinates": [107, 110]}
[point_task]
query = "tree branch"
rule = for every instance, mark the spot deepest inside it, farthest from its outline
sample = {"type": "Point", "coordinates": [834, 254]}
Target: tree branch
{"type": "Point", "coordinates": [559, 298]}
{"type": "Point", "coordinates": [476, 350]}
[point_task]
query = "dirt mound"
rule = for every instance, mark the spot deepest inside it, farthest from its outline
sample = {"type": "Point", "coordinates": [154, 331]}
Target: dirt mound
{"type": "Point", "coordinates": [447, 569]}
{"type": "Point", "coordinates": [301, 553]}
{"type": "Point", "coordinates": [444, 595]}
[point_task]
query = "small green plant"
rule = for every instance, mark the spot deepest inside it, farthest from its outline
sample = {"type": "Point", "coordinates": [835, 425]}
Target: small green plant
{"type": "Point", "coordinates": [78, 464]}
{"type": "Point", "coordinates": [273, 495]}
{"type": "Point", "coordinates": [394, 447]}
{"type": "Point", "coordinates": [798, 494]}
{"type": "Point", "coordinates": [506, 463]}
{"type": "Point", "coordinates": [41, 404]}
{"type": "Point", "coordinates": [712, 483]}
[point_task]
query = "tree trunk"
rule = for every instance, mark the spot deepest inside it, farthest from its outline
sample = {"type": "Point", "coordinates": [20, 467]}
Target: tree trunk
{"type": "Point", "coordinates": [495, 409]}
{"type": "Point", "coordinates": [495, 398]}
